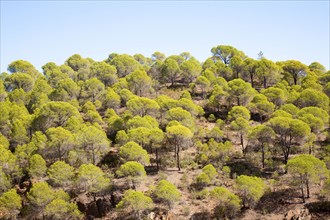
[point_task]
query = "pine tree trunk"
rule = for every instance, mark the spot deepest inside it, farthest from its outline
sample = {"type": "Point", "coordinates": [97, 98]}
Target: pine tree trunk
{"type": "Point", "coordinates": [242, 143]}
{"type": "Point", "coordinates": [263, 156]}
{"type": "Point", "coordinates": [295, 79]}
{"type": "Point", "coordinates": [157, 160]}
{"type": "Point", "coordinates": [307, 187]}
{"type": "Point", "coordinates": [251, 78]}
{"type": "Point", "coordinates": [177, 157]}
{"type": "Point", "coordinates": [286, 154]}
{"type": "Point", "coordinates": [302, 188]}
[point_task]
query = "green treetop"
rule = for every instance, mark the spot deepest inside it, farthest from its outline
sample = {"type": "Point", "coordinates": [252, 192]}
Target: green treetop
{"type": "Point", "coordinates": [136, 202]}
{"type": "Point", "coordinates": [166, 191]}
{"type": "Point", "coordinates": [92, 178]}
{"type": "Point", "coordinates": [179, 136]}
{"type": "Point", "coordinates": [251, 189]}
{"type": "Point", "coordinates": [134, 152]}
{"type": "Point", "coordinates": [61, 173]}
{"type": "Point", "coordinates": [228, 203]}
{"type": "Point", "coordinates": [308, 169]}
{"type": "Point", "coordinates": [10, 204]}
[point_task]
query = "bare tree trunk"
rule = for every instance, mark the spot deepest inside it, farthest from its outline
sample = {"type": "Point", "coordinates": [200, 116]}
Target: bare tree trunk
{"type": "Point", "coordinates": [251, 78]}
{"type": "Point", "coordinates": [263, 155]}
{"type": "Point", "coordinates": [242, 143]}
{"type": "Point", "coordinates": [177, 157]}
{"type": "Point", "coordinates": [302, 188]}
{"type": "Point", "coordinates": [307, 187]}
{"type": "Point", "coordinates": [157, 160]}
{"type": "Point", "coordinates": [286, 152]}
{"type": "Point", "coordinates": [295, 79]}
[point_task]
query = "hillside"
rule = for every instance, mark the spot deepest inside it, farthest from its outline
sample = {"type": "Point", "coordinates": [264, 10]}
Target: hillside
{"type": "Point", "coordinates": [133, 137]}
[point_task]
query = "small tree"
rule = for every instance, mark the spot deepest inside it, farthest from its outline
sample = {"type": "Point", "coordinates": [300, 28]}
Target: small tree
{"type": "Point", "coordinates": [308, 169]}
{"type": "Point", "coordinates": [94, 142]}
{"type": "Point", "coordinates": [210, 171]}
{"type": "Point", "coordinates": [4, 181]}
{"type": "Point", "coordinates": [60, 141]}
{"type": "Point", "coordinates": [142, 106]}
{"type": "Point", "coordinates": [136, 202]}
{"type": "Point", "coordinates": [61, 173]}
{"type": "Point", "coordinates": [10, 204]}
{"type": "Point", "coordinates": [264, 136]}
{"type": "Point", "coordinates": [182, 116]}
{"type": "Point", "coordinates": [92, 178]}
{"type": "Point", "coordinates": [156, 138]}
{"type": "Point", "coordinates": [203, 84]}
{"type": "Point", "coordinates": [40, 195]}
{"type": "Point", "coordinates": [133, 170]}
{"type": "Point", "coordinates": [61, 209]}
{"type": "Point", "coordinates": [167, 191]}
{"type": "Point", "coordinates": [228, 203]}
{"type": "Point", "coordinates": [261, 107]}
{"type": "Point", "coordinates": [294, 70]}
{"type": "Point", "coordinates": [37, 166]}
{"type": "Point", "coordinates": [134, 152]}
{"type": "Point", "coordinates": [238, 111]}
{"type": "Point", "coordinates": [170, 70]}
{"type": "Point", "coordinates": [240, 125]}
{"type": "Point", "coordinates": [241, 91]}
{"type": "Point", "coordinates": [139, 135]}
{"type": "Point", "coordinates": [179, 136]}
{"type": "Point", "coordinates": [139, 82]}
{"type": "Point", "coordinates": [203, 180]}
{"type": "Point", "coordinates": [289, 132]}
{"type": "Point", "coordinates": [251, 189]}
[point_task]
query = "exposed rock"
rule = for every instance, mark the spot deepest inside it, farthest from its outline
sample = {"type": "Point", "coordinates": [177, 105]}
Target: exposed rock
{"type": "Point", "coordinates": [298, 214]}
{"type": "Point", "coordinates": [104, 206]}
{"type": "Point", "coordinates": [151, 215]}
{"type": "Point", "coordinates": [92, 210]}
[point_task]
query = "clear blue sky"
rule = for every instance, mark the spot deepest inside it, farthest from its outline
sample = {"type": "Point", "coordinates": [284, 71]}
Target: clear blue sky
{"type": "Point", "coordinates": [41, 32]}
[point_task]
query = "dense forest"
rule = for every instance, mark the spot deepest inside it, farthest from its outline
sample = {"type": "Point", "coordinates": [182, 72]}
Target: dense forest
{"type": "Point", "coordinates": [165, 137]}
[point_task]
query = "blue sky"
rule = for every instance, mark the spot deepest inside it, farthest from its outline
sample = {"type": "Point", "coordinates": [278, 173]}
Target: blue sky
{"type": "Point", "coordinates": [46, 31]}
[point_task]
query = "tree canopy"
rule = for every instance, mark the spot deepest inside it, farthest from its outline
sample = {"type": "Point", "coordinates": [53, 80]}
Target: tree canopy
{"type": "Point", "coordinates": [162, 136]}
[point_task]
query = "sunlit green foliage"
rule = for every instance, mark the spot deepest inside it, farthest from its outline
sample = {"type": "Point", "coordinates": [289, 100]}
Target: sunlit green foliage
{"type": "Point", "coordinates": [228, 203]}
{"type": "Point", "coordinates": [133, 170]}
{"type": "Point", "coordinates": [166, 191]}
{"type": "Point", "coordinates": [135, 201]}
{"type": "Point", "coordinates": [308, 170]}
{"type": "Point", "coordinates": [37, 166]}
{"type": "Point", "coordinates": [289, 132]}
{"type": "Point", "coordinates": [60, 209]}
{"type": "Point", "coordinates": [10, 204]}
{"type": "Point", "coordinates": [61, 173]}
{"type": "Point", "coordinates": [179, 136]}
{"type": "Point", "coordinates": [251, 189]}
{"type": "Point", "coordinates": [92, 179]}
{"type": "Point", "coordinates": [134, 152]}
